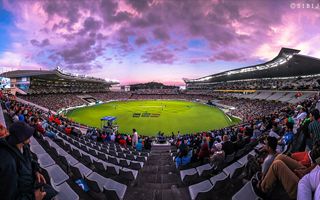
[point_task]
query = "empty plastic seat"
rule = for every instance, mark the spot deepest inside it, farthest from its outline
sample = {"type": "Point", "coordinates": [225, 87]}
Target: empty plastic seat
{"type": "Point", "coordinates": [102, 156]}
{"type": "Point", "coordinates": [189, 175]}
{"type": "Point", "coordinates": [246, 192]}
{"type": "Point", "coordinates": [71, 160]}
{"type": "Point", "coordinates": [57, 175]}
{"type": "Point", "coordinates": [253, 152]}
{"type": "Point", "coordinates": [61, 151]}
{"type": "Point", "coordinates": [77, 144]}
{"type": "Point", "coordinates": [129, 156]}
{"type": "Point", "coordinates": [135, 165]}
{"type": "Point", "coordinates": [239, 153]}
{"type": "Point", "coordinates": [67, 148]}
{"type": "Point", "coordinates": [243, 160]}
{"type": "Point", "coordinates": [93, 185]}
{"type": "Point", "coordinates": [85, 171]}
{"type": "Point", "coordinates": [113, 160]}
{"type": "Point", "coordinates": [229, 158]}
{"type": "Point", "coordinates": [33, 141]}
{"type": "Point", "coordinates": [202, 187]}
{"type": "Point", "coordinates": [234, 170]}
{"type": "Point", "coordinates": [141, 159]}
{"type": "Point", "coordinates": [86, 159]}
{"type": "Point", "coordinates": [123, 163]}
{"type": "Point", "coordinates": [144, 154]}
{"type": "Point", "coordinates": [219, 181]}
{"type": "Point", "coordinates": [37, 149]}
{"type": "Point", "coordinates": [119, 188]}
{"type": "Point", "coordinates": [121, 155]}
{"type": "Point", "coordinates": [112, 153]}
{"type": "Point", "coordinates": [205, 189]}
{"type": "Point", "coordinates": [111, 169]}
{"type": "Point", "coordinates": [45, 160]}
{"type": "Point", "coordinates": [100, 180]}
{"type": "Point", "coordinates": [93, 152]}
{"type": "Point", "coordinates": [83, 148]}
{"type": "Point", "coordinates": [99, 165]}
{"type": "Point", "coordinates": [105, 150]}
{"type": "Point", "coordinates": [46, 144]}
{"type": "Point", "coordinates": [204, 170]}
{"type": "Point", "coordinates": [128, 173]}
{"type": "Point", "coordinates": [65, 192]}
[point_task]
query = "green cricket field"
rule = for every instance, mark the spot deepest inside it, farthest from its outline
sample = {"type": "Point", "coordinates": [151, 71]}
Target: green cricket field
{"type": "Point", "coordinates": [149, 117]}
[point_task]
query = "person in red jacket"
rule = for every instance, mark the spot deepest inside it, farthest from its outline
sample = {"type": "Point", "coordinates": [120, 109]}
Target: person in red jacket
{"type": "Point", "coordinates": [51, 118]}
{"type": "Point", "coordinates": [68, 130]}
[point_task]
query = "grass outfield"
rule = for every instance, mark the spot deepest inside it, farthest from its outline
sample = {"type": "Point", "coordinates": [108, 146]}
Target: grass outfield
{"type": "Point", "coordinates": [151, 116]}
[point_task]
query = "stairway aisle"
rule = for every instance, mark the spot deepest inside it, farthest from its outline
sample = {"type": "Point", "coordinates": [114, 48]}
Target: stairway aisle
{"type": "Point", "coordinates": [159, 179]}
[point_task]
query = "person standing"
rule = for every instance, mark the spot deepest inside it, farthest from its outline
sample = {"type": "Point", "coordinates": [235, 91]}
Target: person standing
{"type": "Point", "coordinates": [134, 137]}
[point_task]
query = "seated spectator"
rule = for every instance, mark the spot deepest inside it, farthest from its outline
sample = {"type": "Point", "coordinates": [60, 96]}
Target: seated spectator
{"type": "Point", "coordinates": [314, 126]}
{"type": "Point", "coordinates": [139, 145]}
{"type": "Point", "coordinates": [285, 169]}
{"type": "Point", "coordinates": [18, 171]}
{"type": "Point", "coordinates": [21, 116]}
{"type": "Point", "coordinates": [50, 133]}
{"type": "Point", "coordinates": [288, 136]}
{"type": "Point", "coordinates": [67, 130]}
{"type": "Point", "coordinates": [300, 115]}
{"type": "Point", "coordinates": [271, 147]}
{"type": "Point", "coordinates": [256, 134]}
{"type": "Point", "coordinates": [123, 142]}
{"type": "Point", "coordinates": [240, 143]}
{"type": "Point", "coordinates": [183, 146]}
{"type": "Point", "coordinates": [113, 137]}
{"type": "Point", "coordinates": [306, 158]}
{"type": "Point", "coordinates": [39, 127]}
{"type": "Point", "coordinates": [275, 131]}
{"type": "Point", "coordinates": [217, 159]}
{"type": "Point", "coordinates": [44, 124]}
{"type": "Point", "coordinates": [227, 145]}
{"type": "Point", "coordinates": [309, 185]}
{"type": "Point", "coordinates": [204, 150]}
{"type": "Point", "coordinates": [147, 143]}
{"type": "Point", "coordinates": [183, 158]}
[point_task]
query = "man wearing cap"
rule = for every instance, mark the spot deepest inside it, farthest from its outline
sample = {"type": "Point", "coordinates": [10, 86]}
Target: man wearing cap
{"type": "Point", "coordinates": [19, 174]}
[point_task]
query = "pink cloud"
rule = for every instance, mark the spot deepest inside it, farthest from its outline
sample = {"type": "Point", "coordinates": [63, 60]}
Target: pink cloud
{"type": "Point", "coordinates": [79, 34]}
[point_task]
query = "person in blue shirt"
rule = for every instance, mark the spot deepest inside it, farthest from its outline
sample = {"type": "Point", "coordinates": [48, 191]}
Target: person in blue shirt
{"type": "Point", "coordinates": [139, 145]}
{"type": "Point", "coordinates": [288, 136]}
{"type": "Point", "coordinates": [183, 158]}
{"type": "Point", "coordinates": [50, 133]}
{"type": "Point", "coordinates": [21, 116]}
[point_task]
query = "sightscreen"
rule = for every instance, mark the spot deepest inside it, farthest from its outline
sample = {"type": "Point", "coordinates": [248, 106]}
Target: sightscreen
{"type": "Point", "coordinates": [4, 82]}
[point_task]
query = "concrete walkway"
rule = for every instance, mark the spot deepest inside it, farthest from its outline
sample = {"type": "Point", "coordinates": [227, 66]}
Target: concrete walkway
{"type": "Point", "coordinates": [159, 179]}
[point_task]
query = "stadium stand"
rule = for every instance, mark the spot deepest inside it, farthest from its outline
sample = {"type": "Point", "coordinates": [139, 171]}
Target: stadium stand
{"type": "Point", "coordinates": [109, 169]}
{"type": "Point", "coordinates": [275, 99]}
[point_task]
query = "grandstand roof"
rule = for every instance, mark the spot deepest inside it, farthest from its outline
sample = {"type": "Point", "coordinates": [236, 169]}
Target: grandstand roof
{"type": "Point", "coordinates": [54, 74]}
{"type": "Point", "coordinates": [287, 63]}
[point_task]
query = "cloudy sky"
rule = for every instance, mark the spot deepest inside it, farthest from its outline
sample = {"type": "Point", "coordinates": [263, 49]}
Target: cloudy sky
{"type": "Point", "coordinates": [153, 40]}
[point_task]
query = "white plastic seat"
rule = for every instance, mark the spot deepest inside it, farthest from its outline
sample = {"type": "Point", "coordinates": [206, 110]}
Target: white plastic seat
{"type": "Point", "coordinates": [57, 175]}
{"type": "Point", "coordinates": [65, 192]}
{"type": "Point", "coordinates": [201, 187]}
{"type": "Point", "coordinates": [203, 168]}
{"type": "Point", "coordinates": [45, 160]}
{"type": "Point", "coordinates": [246, 192]}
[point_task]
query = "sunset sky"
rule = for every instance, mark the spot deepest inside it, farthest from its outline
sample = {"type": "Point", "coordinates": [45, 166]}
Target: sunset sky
{"type": "Point", "coordinates": [153, 40]}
